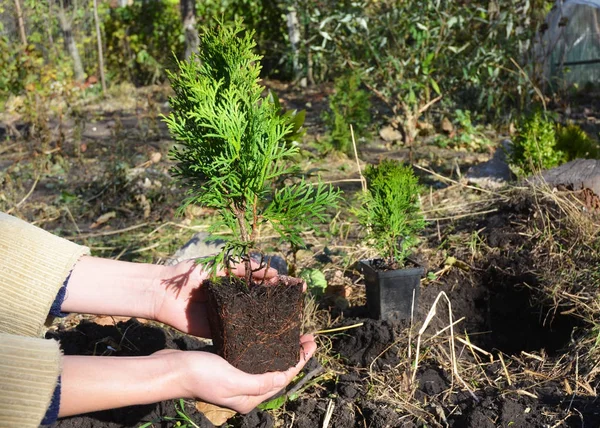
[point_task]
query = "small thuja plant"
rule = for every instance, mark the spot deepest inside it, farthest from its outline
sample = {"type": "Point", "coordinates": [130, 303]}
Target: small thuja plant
{"type": "Point", "coordinates": [232, 148]}
{"type": "Point", "coordinates": [390, 210]}
{"type": "Point", "coordinates": [349, 104]}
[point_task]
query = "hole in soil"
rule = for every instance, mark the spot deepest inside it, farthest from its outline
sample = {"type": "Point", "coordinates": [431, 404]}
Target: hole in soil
{"type": "Point", "coordinates": [516, 323]}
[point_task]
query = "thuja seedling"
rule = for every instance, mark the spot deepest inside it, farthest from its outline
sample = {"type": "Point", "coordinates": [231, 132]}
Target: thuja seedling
{"type": "Point", "coordinates": [390, 210]}
{"type": "Point", "coordinates": [232, 148]}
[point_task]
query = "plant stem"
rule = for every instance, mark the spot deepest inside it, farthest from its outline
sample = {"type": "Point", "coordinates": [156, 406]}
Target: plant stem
{"type": "Point", "coordinates": [239, 215]}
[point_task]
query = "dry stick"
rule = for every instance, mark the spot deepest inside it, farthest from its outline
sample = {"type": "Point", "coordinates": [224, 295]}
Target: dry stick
{"type": "Point", "coordinates": [72, 219]}
{"type": "Point", "coordinates": [181, 226]}
{"type": "Point", "coordinates": [535, 88]}
{"type": "Point", "coordinates": [430, 315]}
{"type": "Point", "coordinates": [304, 380]}
{"type": "Point", "coordinates": [454, 217]}
{"type": "Point", "coordinates": [332, 330]}
{"type": "Point", "coordinates": [508, 379]}
{"type": "Point", "coordinates": [141, 250]}
{"type": "Point", "coordinates": [526, 393]}
{"type": "Point", "coordinates": [381, 353]}
{"type": "Point", "coordinates": [444, 329]}
{"type": "Point", "coordinates": [328, 414]}
{"type": "Point", "coordinates": [412, 314]}
{"type": "Point", "coordinates": [535, 357]}
{"type": "Point", "coordinates": [111, 232]}
{"type": "Point", "coordinates": [477, 348]}
{"type": "Point", "coordinates": [435, 174]}
{"type": "Point", "coordinates": [37, 179]}
{"type": "Point", "coordinates": [7, 148]}
{"type": "Point", "coordinates": [463, 205]}
{"type": "Point", "coordinates": [100, 53]}
{"type": "Point", "coordinates": [363, 182]}
{"type": "Point", "coordinates": [346, 180]}
{"type": "Point", "coordinates": [576, 372]}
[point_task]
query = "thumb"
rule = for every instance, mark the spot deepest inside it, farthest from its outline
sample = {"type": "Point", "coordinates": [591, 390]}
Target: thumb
{"type": "Point", "coordinates": [268, 384]}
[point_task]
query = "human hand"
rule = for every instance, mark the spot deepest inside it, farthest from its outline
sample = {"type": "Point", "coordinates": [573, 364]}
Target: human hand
{"type": "Point", "coordinates": [92, 383]}
{"type": "Point", "coordinates": [210, 378]}
{"type": "Point", "coordinates": [180, 299]}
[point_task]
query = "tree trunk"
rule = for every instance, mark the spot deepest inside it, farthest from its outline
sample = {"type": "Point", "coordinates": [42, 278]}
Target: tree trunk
{"type": "Point", "coordinates": [70, 45]}
{"type": "Point", "coordinates": [48, 22]}
{"type": "Point", "coordinates": [294, 35]}
{"type": "Point", "coordinates": [188, 18]}
{"type": "Point", "coordinates": [100, 54]}
{"type": "Point", "coordinates": [21, 23]}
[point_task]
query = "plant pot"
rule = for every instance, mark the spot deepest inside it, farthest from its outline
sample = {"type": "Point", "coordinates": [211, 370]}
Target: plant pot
{"type": "Point", "coordinates": [256, 329]}
{"type": "Point", "coordinates": [390, 293]}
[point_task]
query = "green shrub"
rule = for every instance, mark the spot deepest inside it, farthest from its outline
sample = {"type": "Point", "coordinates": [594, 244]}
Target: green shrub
{"type": "Point", "coordinates": [141, 39]}
{"type": "Point", "coordinates": [417, 54]}
{"type": "Point", "coordinates": [390, 210]}
{"type": "Point", "coordinates": [575, 143]}
{"type": "Point", "coordinates": [469, 136]}
{"type": "Point", "coordinates": [534, 147]}
{"type": "Point", "coordinates": [349, 105]}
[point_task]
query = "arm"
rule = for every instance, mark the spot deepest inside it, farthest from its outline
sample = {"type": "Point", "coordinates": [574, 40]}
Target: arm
{"type": "Point", "coordinates": [169, 294]}
{"type": "Point", "coordinates": [99, 383]}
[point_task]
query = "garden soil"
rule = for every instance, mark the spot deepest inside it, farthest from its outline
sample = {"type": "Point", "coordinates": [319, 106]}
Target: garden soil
{"type": "Point", "coordinates": [493, 297]}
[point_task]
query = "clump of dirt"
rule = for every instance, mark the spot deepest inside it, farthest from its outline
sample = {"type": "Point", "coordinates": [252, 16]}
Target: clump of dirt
{"type": "Point", "coordinates": [371, 345]}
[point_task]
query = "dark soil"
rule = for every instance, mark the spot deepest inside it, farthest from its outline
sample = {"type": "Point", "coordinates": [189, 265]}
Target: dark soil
{"type": "Point", "coordinates": [104, 165]}
{"type": "Point", "coordinates": [370, 346]}
{"type": "Point", "coordinates": [129, 338]}
{"type": "Point", "coordinates": [264, 338]}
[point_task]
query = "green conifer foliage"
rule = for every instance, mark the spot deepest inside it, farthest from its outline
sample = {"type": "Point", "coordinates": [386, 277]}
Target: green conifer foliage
{"type": "Point", "coordinates": [390, 210]}
{"type": "Point", "coordinates": [232, 146]}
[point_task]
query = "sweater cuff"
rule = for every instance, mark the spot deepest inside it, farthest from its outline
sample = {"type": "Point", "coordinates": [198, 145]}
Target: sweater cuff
{"type": "Point", "coordinates": [29, 368]}
{"type": "Point", "coordinates": [33, 266]}
{"type": "Point", "coordinates": [52, 413]}
{"type": "Point", "coordinates": [58, 301]}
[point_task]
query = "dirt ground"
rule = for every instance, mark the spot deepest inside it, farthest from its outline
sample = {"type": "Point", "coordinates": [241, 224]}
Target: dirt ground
{"type": "Point", "coordinates": [101, 179]}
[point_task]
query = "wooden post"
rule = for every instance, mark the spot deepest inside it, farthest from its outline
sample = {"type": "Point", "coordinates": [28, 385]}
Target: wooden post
{"type": "Point", "coordinates": [70, 45]}
{"type": "Point", "coordinates": [100, 54]}
{"type": "Point", "coordinates": [21, 23]}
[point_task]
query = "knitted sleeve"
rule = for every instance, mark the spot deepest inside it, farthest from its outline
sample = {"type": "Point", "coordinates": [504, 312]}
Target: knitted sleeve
{"type": "Point", "coordinates": [33, 266]}
{"type": "Point", "coordinates": [29, 370]}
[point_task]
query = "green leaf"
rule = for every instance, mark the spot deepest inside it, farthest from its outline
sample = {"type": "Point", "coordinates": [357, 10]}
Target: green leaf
{"type": "Point", "coordinates": [315, 280]}
{"type": "Point", "coordinates": [275, 403]}
{"type": "Point", "coordinates": [435, 87]}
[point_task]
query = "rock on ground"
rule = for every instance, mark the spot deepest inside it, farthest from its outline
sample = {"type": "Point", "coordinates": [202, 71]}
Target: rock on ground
{"type": "Point", "coordinates": [203, 245]}
{"type": "Point", "coordinates": [494, 173]}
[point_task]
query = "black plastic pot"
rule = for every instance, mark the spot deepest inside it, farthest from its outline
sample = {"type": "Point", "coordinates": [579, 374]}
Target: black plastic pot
{"type": "Point", "coordinates": [390, 293]}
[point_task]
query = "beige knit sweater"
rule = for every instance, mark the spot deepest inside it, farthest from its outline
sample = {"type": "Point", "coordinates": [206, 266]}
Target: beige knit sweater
{"type": "Point", "coordinates": [33, 266]}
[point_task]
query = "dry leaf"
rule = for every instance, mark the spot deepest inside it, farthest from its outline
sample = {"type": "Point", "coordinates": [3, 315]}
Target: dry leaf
{"type": "Point", "coordinates": [103, 219]}
{"type": "Point", "coordinates": [155, 157]}
{"type": "Point", "coordinates": [217, 415]}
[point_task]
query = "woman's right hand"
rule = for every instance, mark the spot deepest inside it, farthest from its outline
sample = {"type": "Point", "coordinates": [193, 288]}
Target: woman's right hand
{"type": "Point", "coordinates": [210, 378]}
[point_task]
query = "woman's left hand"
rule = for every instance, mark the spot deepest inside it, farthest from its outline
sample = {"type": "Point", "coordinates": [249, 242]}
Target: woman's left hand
{"type": "Point", "coordinates": [180, 297]}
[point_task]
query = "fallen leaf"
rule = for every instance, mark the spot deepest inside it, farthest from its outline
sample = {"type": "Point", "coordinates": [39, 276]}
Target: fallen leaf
{"type": "Point", "coordinates": [155, 157]}
{"type": "Point", "coordinates": [103, 219]}
{"type": "Point", "coordinates": [217, 415]}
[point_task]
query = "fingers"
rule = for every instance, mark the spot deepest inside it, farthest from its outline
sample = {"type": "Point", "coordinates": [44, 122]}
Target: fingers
{"type": "Point", "coordinates": [264, 274]}
{"type": "Point", "coordinates": [269, 384]}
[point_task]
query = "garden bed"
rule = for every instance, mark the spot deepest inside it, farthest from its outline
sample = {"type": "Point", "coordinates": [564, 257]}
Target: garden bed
{"type": "Point", "coordinates": [519, 269]}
